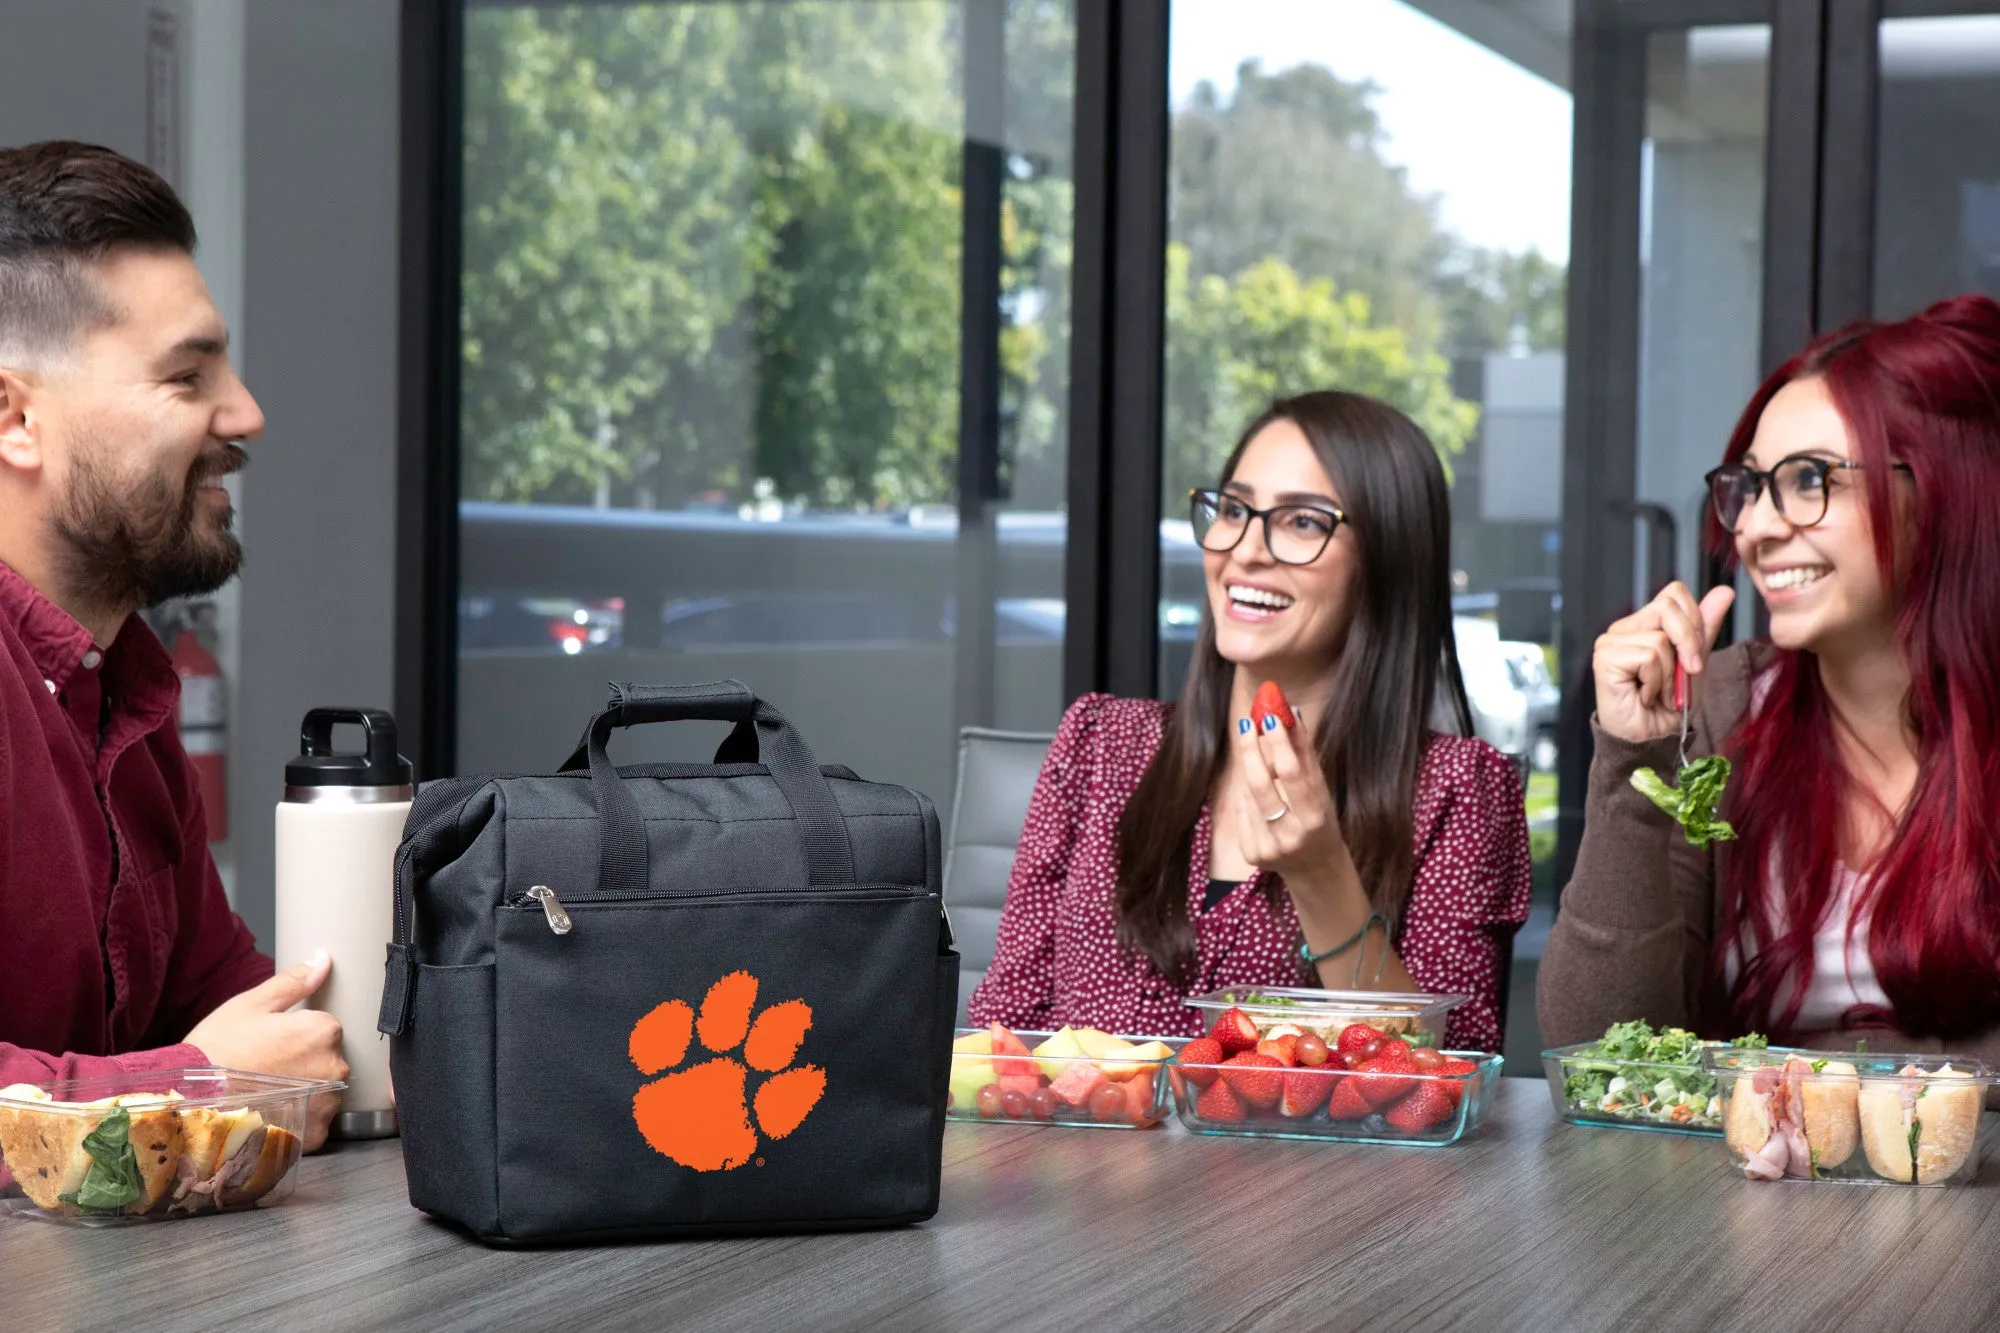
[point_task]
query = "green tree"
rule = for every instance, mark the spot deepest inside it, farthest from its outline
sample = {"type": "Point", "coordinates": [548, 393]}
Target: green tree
{"type": "Point", "coordinates": [707, 244]}
{"type": "Point", "coordinates": [1292, 166]}
{"type": "Point", "coordinates": [602, 267]}
{"type": "Point", "coordinates": [1234, 345]}
{"type": "Point", "coordinates": [1494, 299]}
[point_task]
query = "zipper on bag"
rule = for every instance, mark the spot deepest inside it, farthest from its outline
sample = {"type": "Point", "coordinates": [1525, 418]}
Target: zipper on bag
{"type": "Point", "coordinates": [561, 923]}
{"type": "Point", "coordinates": [552, 908]}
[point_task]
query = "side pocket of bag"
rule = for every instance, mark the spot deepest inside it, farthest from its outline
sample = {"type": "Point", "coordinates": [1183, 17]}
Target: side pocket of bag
{"type": "Point", "coordinates": [944, 1019]}
{"type": "Point", "coordinates": [443, 1070]}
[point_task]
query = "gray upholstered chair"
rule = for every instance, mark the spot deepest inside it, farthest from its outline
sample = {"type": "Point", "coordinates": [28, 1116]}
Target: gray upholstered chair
{"type": "Point", "coordinates": [996, 777]}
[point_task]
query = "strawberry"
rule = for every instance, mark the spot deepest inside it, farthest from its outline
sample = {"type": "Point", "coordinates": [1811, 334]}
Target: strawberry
{"type": "Point", "coordinates": [1347, 1102]}
{"type": "Point", "coordinates": [1354, 1036]}
{"type": "Point", "coordinates": [1452, 1077]}
{"type": "Point", "coordinates": [1257, 1079]}
{"type": "Point", "coordinates": [1430, 1105]}
{"type": "Point", "coordinates": [1271, 703]}
{"type": "Point", "coordinates": [1384, 1088]}
{"type": "Point", "coordinates": [1306, 1090]}
{"type": "Point", "coordinates": [1219, 1105]}
{"type": "Point", "coordinates": [1397, 1053]}
{"type": "Point", "coordinates": [1280, 1049]}
{"type": "Point", "coordinates": [1234, 1031]}
{"type": "Point", "coordinates": [1200, 1051]}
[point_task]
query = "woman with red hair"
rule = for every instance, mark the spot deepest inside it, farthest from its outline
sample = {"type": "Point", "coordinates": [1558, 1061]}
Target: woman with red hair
{"type": "Point", "coordinates": [1861, 493]}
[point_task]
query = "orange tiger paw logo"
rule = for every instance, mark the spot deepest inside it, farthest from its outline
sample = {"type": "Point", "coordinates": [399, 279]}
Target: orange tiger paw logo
{"type": "Point", "coordinates": [700, 1116]}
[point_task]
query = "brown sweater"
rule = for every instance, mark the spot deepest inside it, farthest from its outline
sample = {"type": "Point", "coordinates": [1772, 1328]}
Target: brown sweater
{"type": "Point", "coordinates": [1639, 915]}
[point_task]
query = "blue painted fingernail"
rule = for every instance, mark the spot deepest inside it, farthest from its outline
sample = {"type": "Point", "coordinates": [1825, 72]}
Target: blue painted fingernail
{"type": "Point", "coordinates": [1243, 726]}
{"type": "Point", "coordinates": [1270, 721]}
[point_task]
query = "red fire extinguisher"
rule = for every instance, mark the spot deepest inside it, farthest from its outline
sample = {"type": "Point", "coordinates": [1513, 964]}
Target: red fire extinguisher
{"type": "Point", "coordinates": [205, 726]}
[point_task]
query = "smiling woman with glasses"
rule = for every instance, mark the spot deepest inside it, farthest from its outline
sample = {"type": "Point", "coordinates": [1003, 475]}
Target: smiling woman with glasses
{"type": "Point", "coordinates": [1862, 889]}
{"type": "Point", "coordinates": [1226, 840]}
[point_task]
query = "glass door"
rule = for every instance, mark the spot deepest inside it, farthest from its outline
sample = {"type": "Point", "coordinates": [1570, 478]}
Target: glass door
{"type": "Point", "coordinates": [1937, 160]}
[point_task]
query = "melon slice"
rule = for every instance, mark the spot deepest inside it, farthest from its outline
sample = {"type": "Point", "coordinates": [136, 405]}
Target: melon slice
{"type": "Point", "coordinates": [1055, 1054]}
{"type": "Point", "coordinates": [1139, 1059]}
{"type": "Point", "coordinates": [970, 1071]}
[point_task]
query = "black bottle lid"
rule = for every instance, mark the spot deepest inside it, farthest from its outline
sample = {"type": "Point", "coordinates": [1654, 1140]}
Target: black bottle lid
{"type": "Point", "coordinates": [318, 765]}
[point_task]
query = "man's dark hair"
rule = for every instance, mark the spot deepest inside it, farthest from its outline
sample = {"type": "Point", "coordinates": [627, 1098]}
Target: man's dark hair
{"type": "Point", "coordinates": [64, 207]}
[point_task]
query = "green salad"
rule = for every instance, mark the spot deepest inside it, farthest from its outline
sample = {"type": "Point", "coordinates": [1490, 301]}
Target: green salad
{"type": "Point", "coordinates": [1635, 1074]}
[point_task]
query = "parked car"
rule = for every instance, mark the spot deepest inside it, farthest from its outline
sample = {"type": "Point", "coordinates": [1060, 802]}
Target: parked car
{"type": "Point", "coordinates": [1514, 703]}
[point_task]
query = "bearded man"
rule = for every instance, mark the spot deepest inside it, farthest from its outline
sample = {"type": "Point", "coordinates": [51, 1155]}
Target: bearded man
{"type": "Point", "coordinates": [120, 415]}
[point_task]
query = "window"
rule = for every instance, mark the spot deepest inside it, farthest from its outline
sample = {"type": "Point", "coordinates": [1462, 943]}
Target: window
{"type": "Point", "coordinates": [723, 264]}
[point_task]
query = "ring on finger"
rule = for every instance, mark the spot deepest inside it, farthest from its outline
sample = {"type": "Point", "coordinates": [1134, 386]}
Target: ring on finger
{"type": "Point", "coordinates": [1283, 810]}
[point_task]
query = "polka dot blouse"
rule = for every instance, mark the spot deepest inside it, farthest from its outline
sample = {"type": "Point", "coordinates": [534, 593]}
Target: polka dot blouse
{"type": "Point", "coordinates": [1057, 960]}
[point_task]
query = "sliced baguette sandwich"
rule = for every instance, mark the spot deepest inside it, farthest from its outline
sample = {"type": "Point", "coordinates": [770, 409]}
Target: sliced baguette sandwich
{"type": "Point", "coordinates": [1794, 1119]}
{"type": "Point", "coordinates": [1921, 1126]}
{"type": "Point", "coordinates": [52, 1155]}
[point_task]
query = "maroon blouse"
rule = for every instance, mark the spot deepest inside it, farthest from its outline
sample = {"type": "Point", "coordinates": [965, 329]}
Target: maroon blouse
{"type": "Point", "coordinates": [1057, 960]}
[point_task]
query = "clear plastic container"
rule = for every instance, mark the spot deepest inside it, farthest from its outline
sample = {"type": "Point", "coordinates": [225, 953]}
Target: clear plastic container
{"type": "Point", "coordinates": [1853, 1118]}
{"type": "Point", "coordinates": [1419, 1019]}
{"type": "Point", "coordinates": [1589, 1089]}
{"type": "Point", "coordinates": [149, 1147]}
{"type": "Point", "coordinates": [1332, 1102]}
{"type": "Point", "coordinates": [1121, 1090]}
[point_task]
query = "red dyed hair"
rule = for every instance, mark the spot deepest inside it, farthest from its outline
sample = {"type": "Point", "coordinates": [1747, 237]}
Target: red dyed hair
{"type": "Point", "coordinates": [1924, 391]}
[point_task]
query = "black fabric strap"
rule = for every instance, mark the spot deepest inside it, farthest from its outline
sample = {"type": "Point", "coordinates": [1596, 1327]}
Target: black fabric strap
{"type": "Point", "coordinates": [624, 865]}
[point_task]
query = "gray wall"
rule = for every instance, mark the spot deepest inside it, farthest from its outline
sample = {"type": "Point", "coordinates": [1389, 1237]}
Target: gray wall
{"type": "Point", "coordinates": [320, 319]}
{"type": "Point", "coordinates": [75, 70]}
{"type": "Point", "coordinates": [312, 167]}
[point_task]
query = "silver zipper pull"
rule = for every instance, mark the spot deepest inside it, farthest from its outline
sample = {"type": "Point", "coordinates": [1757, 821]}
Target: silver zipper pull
{"type": "Point", "coordinates": [559, 921]}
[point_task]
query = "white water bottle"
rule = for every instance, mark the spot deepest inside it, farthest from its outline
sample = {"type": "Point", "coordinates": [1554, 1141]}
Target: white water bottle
{"type": "Point", "coordinates": [338, 830]}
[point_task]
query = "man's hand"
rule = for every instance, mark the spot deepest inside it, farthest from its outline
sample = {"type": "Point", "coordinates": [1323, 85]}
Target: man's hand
{"type": "Point", "coordinates": [259, 1031]}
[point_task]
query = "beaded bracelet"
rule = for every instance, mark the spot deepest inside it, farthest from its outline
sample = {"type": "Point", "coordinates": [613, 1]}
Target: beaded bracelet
{"type": "Point", "coordinates": [1313, 960]}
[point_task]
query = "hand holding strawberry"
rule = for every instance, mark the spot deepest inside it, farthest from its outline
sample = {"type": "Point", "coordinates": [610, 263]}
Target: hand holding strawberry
{"type": "Point", "coordinates": [1289, 825]}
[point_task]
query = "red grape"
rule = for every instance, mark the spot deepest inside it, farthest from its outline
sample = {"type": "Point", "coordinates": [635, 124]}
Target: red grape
{"type": "Point", "coordinates": [1108, 1102]}
{"type": "Point", "coordinates": [1014, 1102]}
{"type": "Point", "coordinates": [1425, 1058]}
{"type": "Point", "coordinates": [1374, 1047]}
{"type": "Point", "coordinates": [1044, 1104]}
{"type": "Point", "coordinates": [1310, 1049]}
{"type": "Point", "coordinates": [989, 1100]}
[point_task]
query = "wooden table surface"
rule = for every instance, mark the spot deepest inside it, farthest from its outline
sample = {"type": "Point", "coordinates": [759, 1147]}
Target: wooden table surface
{"type": "Point", "coordinates": [1531, 1224]}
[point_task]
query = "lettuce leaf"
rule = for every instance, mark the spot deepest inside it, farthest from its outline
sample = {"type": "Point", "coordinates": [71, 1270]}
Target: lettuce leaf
{"type": "Point", "coordinates": [113, 1179]}
{"type": "Point", "coordinates": [1693, 803]}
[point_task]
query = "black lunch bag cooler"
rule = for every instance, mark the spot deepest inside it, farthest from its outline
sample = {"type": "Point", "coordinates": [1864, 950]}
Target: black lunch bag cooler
{"type": "Point", "coordinates": [671, 999]}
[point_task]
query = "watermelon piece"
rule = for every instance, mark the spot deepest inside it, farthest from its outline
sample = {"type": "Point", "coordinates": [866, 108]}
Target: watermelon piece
{"type": "Point", "coordinates": [1020, 1075]}
{"type": "Point", "coordinates": [1077, 1082]}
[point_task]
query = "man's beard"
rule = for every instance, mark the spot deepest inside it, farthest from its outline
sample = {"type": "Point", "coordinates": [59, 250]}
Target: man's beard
{"type": "Point", "coordinates": [118, 552]}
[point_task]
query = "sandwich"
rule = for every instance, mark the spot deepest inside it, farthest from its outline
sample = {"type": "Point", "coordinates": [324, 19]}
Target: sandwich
{"type": "Point", "coordinates": [139, 1153]}
{"type": "Point", "coordinates": [1921, 1126]}
{"type": "Point", "coordinates": [1795, 1119]}
{"type": "Point", "coordinates": [232, 1159]}
{"type": "Point", "coordinates": [116, 1157]}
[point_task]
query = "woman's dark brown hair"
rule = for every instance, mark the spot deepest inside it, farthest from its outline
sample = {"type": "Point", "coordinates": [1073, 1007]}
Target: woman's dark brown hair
{"type": "Point", "coordinates": [1398, 650]}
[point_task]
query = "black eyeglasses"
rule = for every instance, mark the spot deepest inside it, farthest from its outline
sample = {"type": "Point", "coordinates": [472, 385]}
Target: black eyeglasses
{"type": "Point", "coordinates": [1799, 484]}
{"type": "Point", "coordinates": [1293, 534]}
